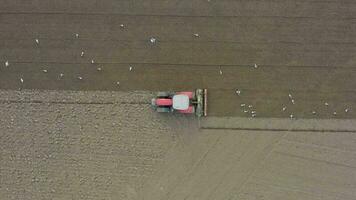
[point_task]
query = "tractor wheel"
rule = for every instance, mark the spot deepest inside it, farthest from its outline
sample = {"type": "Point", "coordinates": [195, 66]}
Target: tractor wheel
{"type": "Point", "coordinates": [163, 109]}
{"type": "Point", "coordinates": [163, 94]}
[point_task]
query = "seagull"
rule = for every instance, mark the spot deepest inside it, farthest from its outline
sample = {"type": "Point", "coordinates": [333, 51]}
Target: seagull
{"type": "Point", "coordinates": [326, 104]}
{"type": "Point", "coordinates": [220, 71]}
{"type": "Point", "coordinates": [314, 112]}
{"type": "Point", "coordinates": [61, 75]}
{"type": "Point", "coordinates": [253, 115]}
{"type": "Point", "coordinates": [284, 108]}
{"type": "Point", "coordinates": [45, 71]}
{"type": "Point", "coordinates": [37, 41]}
{"type": "Point", "coordinates": [122, 25]}
{"type": "Point", "coordinates": [347, 110]}
{"type": "Point", "coordinates": [196, 34]}
{"type": "Point", "coordinates": [82, 54]}
{"type": "Point", "coordinates": [255, 66]}
{"type": "Point", "coordinates": [253, 112]}
{"type": "Point", "coordinates": [245, 111]}
{"type": "Point", "coordinates": [293, 102]}
{"type": "Point", "coordinates": [238, 92]}
{"type": "Point", "coordinates": [80, 78]}
{"type": "Point", "coordinates": [153, 40]}
{"type": "Point", "coordinates": [92, 61]}
{"type": "Point", "coordinates": [118, 83]}
{"type": "Point", "coordinates": [290, 96]}
{"type": "Point", "coordinates": [250, 106]}
{"type": "Point", "coordinates": [243, 105]}
{"type": "Point", "coordinates": [7, 63]}
{"type": "Point", "coordinates": [21, 79]}
{"type": "Point", "coordinates": [130, 68]}
{"type": "Point", "coordinates": [291, 116]}
{"type": "Point", "coordinates": [334, 113]}
{"type": "Point", "coordinates": [98, 69]}
{"type": "Point", "coordinates": [77, 35]}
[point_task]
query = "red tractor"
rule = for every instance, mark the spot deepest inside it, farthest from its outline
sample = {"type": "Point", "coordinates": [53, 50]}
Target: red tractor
{"type": "Point", "coordinates": [182, 102]}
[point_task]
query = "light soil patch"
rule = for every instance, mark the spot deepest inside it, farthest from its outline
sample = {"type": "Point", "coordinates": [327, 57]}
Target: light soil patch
{"type": "Point", "coordinates": [80, 145]}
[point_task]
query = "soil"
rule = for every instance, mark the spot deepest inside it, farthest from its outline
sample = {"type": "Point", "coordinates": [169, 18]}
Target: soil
{"type": "Point", "coordinates": [76, 79]}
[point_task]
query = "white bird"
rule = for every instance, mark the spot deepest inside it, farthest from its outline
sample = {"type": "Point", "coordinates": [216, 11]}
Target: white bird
{"type": "Point", "coordinates": [284, 108]}
{"type": "Point", "coordinates": [291, 116]}
{"type": "Point", "coordinates": [77, 35]}
{"type": "Point", "coordinates": [238, 92]}
{"type": "Point", "coordinates": [80, 78]}
{"type": "Point", "coordinates": [314, 112]}
{"type": "Point", "coordinates": [245, 111]}
{"type": "Point", "coordinates": [130, 68]}
{"type": "Point", "coordinates": [326, 104]}
{"type": "Point", "coordinates": [21, 79]}
{"type": "Point", "coordinates": [98, 69]}
{"type": "Point", "coordinates": [153, 40]}
{"type": "Point", "coordinates": [290, 96]}
{"type": "Point", "coordinates": [255, 66]}
{"type": "Point", "coordinates": [243, 105]}
{"type": "Point", "coordinates": [92, 61]}
{"type": "Point", "coordinates": [82, 54]}
{"type": "Point", "coordinates": [250, 106]}
{"type": "Point", "coordinates": [196, 34]}
{"type": "Point", "coordinates": [61, 75]}
{"type": "Point", "coordinates": [253, 115]}
{"type": "Point", "coordinates": [118, 83]}
{"type": "Point", "coordinates": [45, 71]}
{"type": "Point", "coordinates": [253, 112]}
{"type": "Point", "coordinates": [37, 41]}
{"type": "Point", "coordinates": [7, 63]}
{"type": "Point", "coordinates": [122, 25]}
{"type": "Point", "coordinates": [347, 110]}
{"type": "Point", "coordinates": [220, 72]}
{"type": "Point", "coordinates": [334, 113]}
{"type": "Point", "coordinates": [293, 102]}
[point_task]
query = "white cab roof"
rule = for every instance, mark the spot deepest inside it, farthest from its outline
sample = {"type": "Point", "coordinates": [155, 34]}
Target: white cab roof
{"type": "Point", "coordinates": [180, 102]}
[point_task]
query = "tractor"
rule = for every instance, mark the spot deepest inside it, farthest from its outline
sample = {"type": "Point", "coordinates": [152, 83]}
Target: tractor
{"type": "Point", "coordinates": [191, 102]}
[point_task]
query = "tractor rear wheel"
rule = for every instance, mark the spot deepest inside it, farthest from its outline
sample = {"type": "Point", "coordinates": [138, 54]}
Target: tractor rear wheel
{"type": "Point", "coordinates": [163, 94]}
{"type": "Point", "coordinates": [163, 109]}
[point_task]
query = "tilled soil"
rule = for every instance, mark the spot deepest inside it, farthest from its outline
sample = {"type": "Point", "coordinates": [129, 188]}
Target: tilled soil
{"type": "Point", "coordinates": [79, 145]}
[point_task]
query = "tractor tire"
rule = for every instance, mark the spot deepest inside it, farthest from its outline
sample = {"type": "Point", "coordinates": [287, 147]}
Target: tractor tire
{"type": "Point", "coordinates": [163, 94]}
{"type": "Point", "coordinates": [163, 109]}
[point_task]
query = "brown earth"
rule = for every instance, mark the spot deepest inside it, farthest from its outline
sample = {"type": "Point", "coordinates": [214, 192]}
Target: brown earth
{"type": "Point", "coordinates": [90, 144]}
{"type": "Point", "coordinates": [303, 48]}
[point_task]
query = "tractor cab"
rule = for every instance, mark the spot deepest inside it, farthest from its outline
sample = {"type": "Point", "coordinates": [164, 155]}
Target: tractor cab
{"type": "Point", "coordinates": [180, 102]}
